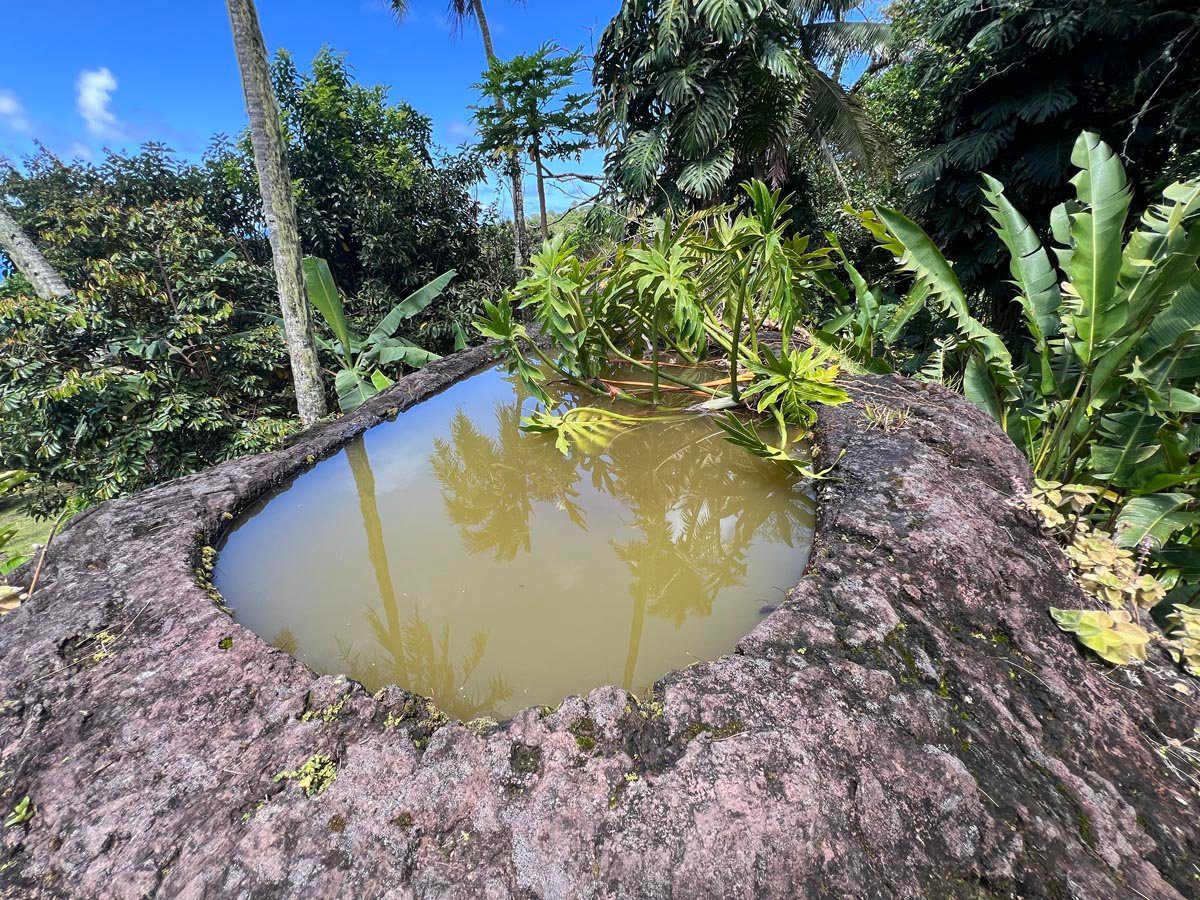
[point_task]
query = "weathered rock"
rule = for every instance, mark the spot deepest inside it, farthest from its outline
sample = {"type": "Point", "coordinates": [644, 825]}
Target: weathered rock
{"type": "Point", "coordinates": [908, 723]}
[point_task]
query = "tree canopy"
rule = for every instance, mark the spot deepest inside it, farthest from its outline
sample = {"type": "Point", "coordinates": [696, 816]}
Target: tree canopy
{"type": "Point", "coordinates": [694, 96]}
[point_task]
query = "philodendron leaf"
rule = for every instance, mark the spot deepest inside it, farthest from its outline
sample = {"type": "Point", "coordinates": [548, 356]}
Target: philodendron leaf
{"type": "Point", "coordinates": [1112, 635]}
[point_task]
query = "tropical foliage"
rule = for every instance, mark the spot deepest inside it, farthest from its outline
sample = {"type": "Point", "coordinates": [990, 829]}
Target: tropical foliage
{"type": "Point", "coordinates": [164, 360]}
{"type": "Point", "coordinates": [685, 294]}
{"type": "Point", "coordinates": [152, 368]}
{"type": "Point", "coordinates": [363, 359]}
{"type": "Point", "coordinates": [377, 200]}
{"type": "Point", "coordinates": [1006, 86]}
{"type": "Point", "coordinates": [1104, 391]}
{"type": "Point", "coordinates": [696, 94]}
{"type": "Point", "coordinates": [530, 109]}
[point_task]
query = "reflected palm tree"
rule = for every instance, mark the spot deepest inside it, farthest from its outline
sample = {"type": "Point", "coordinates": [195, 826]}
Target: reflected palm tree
{"type": "Point", "coordinates": [490, 485]}
{"type": "Point", "coordinates": [425, 665]}
{"type": "Point", "coordinates": [406, 653]}
{"type": "Point", "coordinates": [685, 490]}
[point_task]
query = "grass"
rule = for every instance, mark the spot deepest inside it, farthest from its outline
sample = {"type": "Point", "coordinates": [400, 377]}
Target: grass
{"type": "Point", "coordinates": [30, 531]}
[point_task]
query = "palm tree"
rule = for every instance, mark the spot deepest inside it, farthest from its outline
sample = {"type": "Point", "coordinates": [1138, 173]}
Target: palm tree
{"type": "Point", "coordinates": [279, 207]}
{"type": "Point", "coordinates": [459, 12]}
{"type": "Point", "coordinates": [693, 98]}
{"type": "Point", "coordinates": [29, 260]}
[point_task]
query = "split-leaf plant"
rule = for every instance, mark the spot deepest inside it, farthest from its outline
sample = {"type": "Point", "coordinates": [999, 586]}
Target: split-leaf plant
{"type": "Point", "coordinates": [363, 359]}
{"type": "Point", "coordinates": [684, 295]}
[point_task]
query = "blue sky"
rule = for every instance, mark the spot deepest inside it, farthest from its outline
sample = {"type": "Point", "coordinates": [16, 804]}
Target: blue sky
{"type": "Point", "coordinates": [80, 75]}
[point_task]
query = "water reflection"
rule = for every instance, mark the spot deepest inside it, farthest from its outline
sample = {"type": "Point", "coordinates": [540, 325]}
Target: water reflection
{"type": "Point", "coordinates": [406, 652]}
{"type": "Point", "coordinates": [458, 557]}
{"type": "Point", "coordinates": [684, 491]}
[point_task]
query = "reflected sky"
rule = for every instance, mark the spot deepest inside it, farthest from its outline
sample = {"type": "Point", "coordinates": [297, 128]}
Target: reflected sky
{"type": "Point", "coordinates": [454, 555]}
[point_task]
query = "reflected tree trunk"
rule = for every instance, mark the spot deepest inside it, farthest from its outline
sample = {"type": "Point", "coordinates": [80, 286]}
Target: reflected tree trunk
{"type": "Point", "coordinates": [635, 642]}
{"type": "Point", "coordinates": [364, 483]}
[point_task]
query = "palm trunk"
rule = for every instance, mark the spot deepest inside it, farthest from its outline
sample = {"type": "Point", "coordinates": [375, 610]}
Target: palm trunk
{"type": "Point", "coordinates": [29, 260]}
{"type": "Point", "coordinates": [279, 207]}
{"type": "Point", "coordinates": [514, 163]}
{"type": "Point", "coordinates": [535, 153]}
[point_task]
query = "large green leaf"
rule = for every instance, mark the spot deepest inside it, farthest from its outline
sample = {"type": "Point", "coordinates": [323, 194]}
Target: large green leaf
{"type": "Point", "coordinates": [1154, 518]}
{"type": "Point", "coordinates": [705, 177]}
{"type": "Point", "coordinates": [323, 294]}
{"type": "Point", "coordinates": [1126, 441]}
{"type": "Point", "coordinates": [1162, 252]}
{"type": "Point", "coordinates": [353, 389]}
{"type": "Point", "coordinates": [1097, 230]}
{"type": "Point", "coordinates": [410, 306]}
{"type": "Point", "coordinates": [1112, 634]}
{"type": "Point", "coordinates": [993, 376]}
{"type": "Point", "coordinates": [1033, 274]}
{"type": "Point", "coordinates": [392, 351]}
{"type": "Point", "coordinates": [904, 311]}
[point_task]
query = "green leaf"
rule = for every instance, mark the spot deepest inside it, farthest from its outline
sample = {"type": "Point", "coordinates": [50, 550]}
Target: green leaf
{"type": "Point", "coordinates": [994, 378]}
{"type": "Point", "coordinates": [1032, 272]}
{"type": "Point", "coordinates": [393, 350]}
{"type": "Point", "coordinates": [1112, 635]}
{"type": "Point", "coordinates": [410, 306]}
{"type": "Point", "coordinates": [353, 390]}
{"type": "Point", "coordinates": [1154, 518]}
{"type": "Point", "coordinates": [1096, 230]}
{"type": "Point", "coordinates": [704, 178]}
{"type": "Point", "coordinates": [325, 297]}
{"type": "Point", "coordinates": [905, 310]}
{"type": "Point", "coordinates": [22, 813]}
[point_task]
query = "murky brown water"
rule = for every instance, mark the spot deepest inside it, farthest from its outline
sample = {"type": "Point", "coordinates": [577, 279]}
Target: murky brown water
{"type": "Point", "coordinates": [454, 555]}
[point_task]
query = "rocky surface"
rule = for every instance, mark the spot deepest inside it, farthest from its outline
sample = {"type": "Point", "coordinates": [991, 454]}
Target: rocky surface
{"type": "Point", "coordinates": [909, 723]}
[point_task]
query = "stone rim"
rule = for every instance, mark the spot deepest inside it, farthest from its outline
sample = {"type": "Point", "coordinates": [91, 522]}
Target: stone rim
{"type": "Point", "coordinates": [837, 640]}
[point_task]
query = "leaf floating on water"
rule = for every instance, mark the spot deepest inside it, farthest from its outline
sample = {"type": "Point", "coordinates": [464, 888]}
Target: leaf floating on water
{"type": "Point", "coordinates": [1111, 635]}
{"type": "Point", "coordinates": [588, 428]}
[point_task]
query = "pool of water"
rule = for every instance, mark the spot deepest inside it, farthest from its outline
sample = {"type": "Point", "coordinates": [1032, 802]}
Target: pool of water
{"type": "Point", "coordinates": [452, 554]}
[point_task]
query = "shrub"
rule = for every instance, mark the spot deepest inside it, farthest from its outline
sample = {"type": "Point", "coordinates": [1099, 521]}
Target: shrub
{"type": "Point", "coordinates": [152, 369]}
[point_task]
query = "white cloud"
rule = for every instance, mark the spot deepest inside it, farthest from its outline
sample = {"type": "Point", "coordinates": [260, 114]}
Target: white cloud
{"type": "Point", "coordinates": [94, 90]}
{"type": "Point", "coordinates": [80, 150]}
{"type": "Point", "coordinates": [12, 113]}
{"type": "Point", "coordinates": [457, 129]}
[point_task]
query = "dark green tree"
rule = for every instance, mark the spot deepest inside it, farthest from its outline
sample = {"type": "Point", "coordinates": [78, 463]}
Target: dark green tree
{"type": "Point", "coordinates": [1006, 87]}
{"type": "Point", "coordinates": [696, 95]}
{"type": "Point", "coordinates": [376, 200]}
{"type": "Point", "coordinates": [532, 110]}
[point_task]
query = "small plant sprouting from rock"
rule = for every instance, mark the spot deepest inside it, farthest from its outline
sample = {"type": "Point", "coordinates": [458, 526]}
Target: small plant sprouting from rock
{"type": "Point", "coordinates": [888, 419]}
{"type": "Point", "coordinates": [314, 776]}
{"type": "Point", "coordinates": [204, 573]}
{"type": "Point", "coordinates": [21, 813]}
{"type": "Point", "coordinates": [328, 713]}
